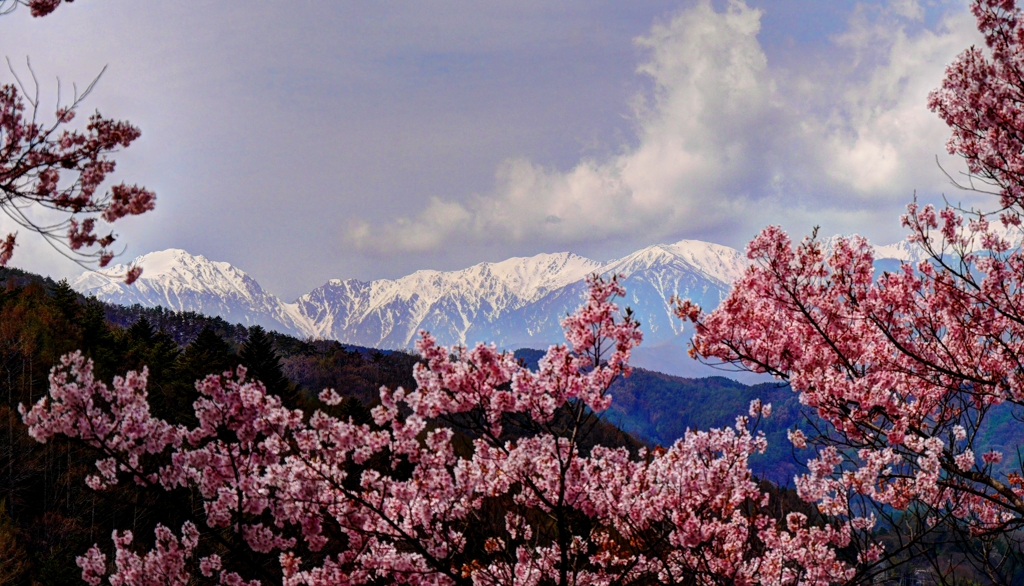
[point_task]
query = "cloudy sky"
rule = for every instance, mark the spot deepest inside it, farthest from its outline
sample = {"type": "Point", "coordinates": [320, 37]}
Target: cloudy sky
{"type": "Point", "coordinates": [309, 140]}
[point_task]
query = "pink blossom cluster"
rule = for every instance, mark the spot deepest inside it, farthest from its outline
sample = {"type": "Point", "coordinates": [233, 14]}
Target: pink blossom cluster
{"type": "Point", "coordinates": [55, 167]}
{"type": "Point", "coordinates": [167, 564]}
{"type": "Point", "coordinates": [904, 368]}
{"type": "Point", "coordinates": [980, 100]}
{"type": "Point", "coordinates": [43, 7]}
{"type": "Point", "coordinates": [36, 8]}
{"type": "Point", "coordinates": [406, 499]}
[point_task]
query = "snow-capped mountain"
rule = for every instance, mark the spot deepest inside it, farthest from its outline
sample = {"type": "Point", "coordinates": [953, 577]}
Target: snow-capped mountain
{"type": "Point", "coordinates": [514, 303]}
{"type": "Point", "coordinates": [389, 313]}
{"type": "Point", "coordinates": [913, 253]}
{"type": "Point", "coordinates": [713, 260]}
{"type": "Point", "coordinates": [181, 281]}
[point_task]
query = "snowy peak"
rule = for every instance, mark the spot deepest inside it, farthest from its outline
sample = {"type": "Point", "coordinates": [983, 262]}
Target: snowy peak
{"type": "Point", "coordinates": [195, 272]}
{"type": "Point", "coordinates": [520, 279]}
{"type": "Point", "coordinates": [533, 276]}
{"type": "Point", "coordinates": [178, 261]}
{"type": "Point", "coordinates": [721, 262]}
{"type": "Point", "coordinates": [717, 262]}
{"type": "Point", "coordinates": [390, 312]}
{"type": "Point", "coordinates": [175, 260]}
{"type": "Point", "coordinates": [515, 301]}
{"type": "Point", "coordinates": [179, 271]}
{"type": "Point", "coordinates": [902, 251]}
{"type": "Point", "coordinates": [181, 281]}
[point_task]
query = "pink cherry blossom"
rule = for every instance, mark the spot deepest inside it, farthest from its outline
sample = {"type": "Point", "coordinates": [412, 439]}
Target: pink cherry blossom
{"type": "Point", "coordinates": [443, 453]}
{"type": "Point", "coordinates": [56, 167]}
{"type": "Point", "coordinates": [905, 367]}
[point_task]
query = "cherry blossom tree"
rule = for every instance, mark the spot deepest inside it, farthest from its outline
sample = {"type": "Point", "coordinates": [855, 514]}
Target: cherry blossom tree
{"type": "Point", "coordinates": [481, 475]}
{"type": "Point", "coordinates": [909, 369]}
{"type": "Point", "coordinates": [50, 165]}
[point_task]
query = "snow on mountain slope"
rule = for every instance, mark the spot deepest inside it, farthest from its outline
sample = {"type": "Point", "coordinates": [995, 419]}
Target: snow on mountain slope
{"type": "Point", "coordinates": [519, 301]}
{"type": "Point", "coordinates": [901, 251]}
{"type": "Point", "coordinates": [721, 262]}
{"type": "Point", "coordinates": [712, 261]}
{"type": "Point", "coordinates": [389, 313]}
{"type": "Point", "coordinates": [913, 253]}
{"type": "Point", "coordinates": [181, 281]}
{"type": "Point", "coordinates": [515, 302]}
{"type": "Point", "coordinates": [700, 271]}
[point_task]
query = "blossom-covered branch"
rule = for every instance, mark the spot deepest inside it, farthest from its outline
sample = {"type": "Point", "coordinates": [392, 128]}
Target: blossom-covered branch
{"type": "Point", "coordinates": [49, 165]}
{"type": "Point", "coordinates": [909, 368]}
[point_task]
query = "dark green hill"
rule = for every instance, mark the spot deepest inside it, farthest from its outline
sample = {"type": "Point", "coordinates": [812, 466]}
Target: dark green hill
{"type": "Point", "coordinates": [659, 408]}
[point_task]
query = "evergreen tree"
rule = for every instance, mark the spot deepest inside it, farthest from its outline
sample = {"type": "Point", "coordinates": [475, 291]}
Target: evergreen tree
{"type": "Point", "coordinates": [263, 364]}
{"type": "Point", "coordinates": [95, 330]}
{"type": "Point", "coordinates": [161, 357]}
{"type": "Point", "coordinates": [65, 299]}
{"type": "Point", "coordinates": [98, 342]}
{"type": "Point", "coordinates": [207, 354]}
{"type": "Point", "coordinates": [141, 332]}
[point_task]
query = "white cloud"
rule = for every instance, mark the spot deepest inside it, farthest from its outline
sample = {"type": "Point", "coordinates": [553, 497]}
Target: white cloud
{"type": "Point", "coordinates": [720, 132]}
{"type": "Point", "coordinates": [881, 141]}
{"type": "Point", "coordinates": [911, 9]}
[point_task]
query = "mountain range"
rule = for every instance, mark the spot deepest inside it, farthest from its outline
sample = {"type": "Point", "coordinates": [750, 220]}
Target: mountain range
{"type": "Point", "coordinates": [514, 303]}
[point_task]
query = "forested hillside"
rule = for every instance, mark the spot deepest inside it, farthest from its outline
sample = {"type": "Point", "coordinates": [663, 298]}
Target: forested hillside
{"type": "Point", "coordinates": [659, 408]}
